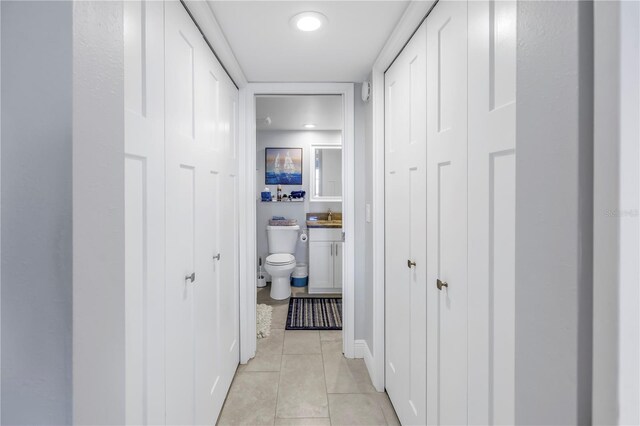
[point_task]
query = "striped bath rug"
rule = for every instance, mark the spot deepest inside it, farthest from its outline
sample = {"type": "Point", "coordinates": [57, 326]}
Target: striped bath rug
{"type": "Point", "coordinates": [315, 313]}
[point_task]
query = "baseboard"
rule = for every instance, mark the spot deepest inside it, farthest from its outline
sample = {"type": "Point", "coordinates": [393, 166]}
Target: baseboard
{"type": "Point", "coordinates": [362, 351]}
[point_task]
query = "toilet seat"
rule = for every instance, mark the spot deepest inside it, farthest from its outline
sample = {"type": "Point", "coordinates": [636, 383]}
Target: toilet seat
{"type": "Point", "coordinates": [280, 259]}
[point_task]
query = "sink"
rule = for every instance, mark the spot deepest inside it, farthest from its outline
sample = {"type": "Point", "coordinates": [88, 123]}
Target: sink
{"type": "Point", "coordinates": [321, 220]}
{"type": "Point", "coordinates": [324, 223]}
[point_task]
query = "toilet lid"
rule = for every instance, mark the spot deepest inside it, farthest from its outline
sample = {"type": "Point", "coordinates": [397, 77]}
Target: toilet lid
{"type": "Point", "coordinates": [280, 259]}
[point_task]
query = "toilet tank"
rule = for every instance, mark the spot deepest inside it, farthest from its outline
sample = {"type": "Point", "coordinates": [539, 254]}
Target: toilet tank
{"type": "Point", "coordinates": [282, 239]}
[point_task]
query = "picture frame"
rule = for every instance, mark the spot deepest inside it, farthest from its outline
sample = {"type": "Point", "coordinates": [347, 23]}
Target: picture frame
{"type": "Point", "coordinates": [283, 166]}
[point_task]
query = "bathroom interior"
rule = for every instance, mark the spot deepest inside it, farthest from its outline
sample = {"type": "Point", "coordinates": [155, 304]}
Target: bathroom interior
{"type": "Point", "coordinates": [299, 212]}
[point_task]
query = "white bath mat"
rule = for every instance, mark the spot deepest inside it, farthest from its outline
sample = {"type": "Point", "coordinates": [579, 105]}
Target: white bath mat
{"type": "Point", "coordinates": [263, 320]}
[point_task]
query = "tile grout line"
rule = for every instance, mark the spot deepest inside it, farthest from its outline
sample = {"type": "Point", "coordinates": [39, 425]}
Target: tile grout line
{"type": "Point", "coordinates": [324, 373]}
{"type": "Point", "coordinates": [275, 413]}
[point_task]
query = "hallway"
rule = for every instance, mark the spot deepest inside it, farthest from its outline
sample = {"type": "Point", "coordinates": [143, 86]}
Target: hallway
{"type": "Point", "coordinates": [481, 223]}
{"type": "Point", "coordinates": [302, 378]}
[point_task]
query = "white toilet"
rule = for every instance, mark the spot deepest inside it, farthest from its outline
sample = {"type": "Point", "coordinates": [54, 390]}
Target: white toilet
{"type": "Point", "coordinates": [281, 261]}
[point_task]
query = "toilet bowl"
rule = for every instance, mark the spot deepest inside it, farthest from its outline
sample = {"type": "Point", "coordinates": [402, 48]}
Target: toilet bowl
{"type": "Point", "coordinates": [280, 266]}
{"type": "Point", "coordinates": [281, 262]}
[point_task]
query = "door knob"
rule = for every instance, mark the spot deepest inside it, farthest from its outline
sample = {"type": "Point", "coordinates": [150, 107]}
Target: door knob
{"type": "Point", "coordinates": [410, 263]}
{"type": "Point", "coordinates": [216, 257]}
{"type": "Point", "coordinates": [441, 284]}
{"type": "Point", "coordinates": [191, 277]}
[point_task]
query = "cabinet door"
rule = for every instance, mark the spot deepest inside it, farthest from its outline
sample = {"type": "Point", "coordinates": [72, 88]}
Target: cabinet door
{"type": "Point", "coordinates": [337, 264]}
{"type": "Point", "coordinates": [321, 264]}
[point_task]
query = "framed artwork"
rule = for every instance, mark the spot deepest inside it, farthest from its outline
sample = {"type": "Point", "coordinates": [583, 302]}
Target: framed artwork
{"type": "Point", "coordinates": [283, 166]}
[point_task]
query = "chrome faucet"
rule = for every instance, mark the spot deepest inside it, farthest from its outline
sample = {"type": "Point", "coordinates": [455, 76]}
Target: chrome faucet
{"type": "Point", "coordinates": [329, 218]}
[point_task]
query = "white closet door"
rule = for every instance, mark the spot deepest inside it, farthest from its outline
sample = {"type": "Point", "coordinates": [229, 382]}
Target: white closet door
{"type": "Point", "coordinates": [492, 118]}
{"type": "Point", "coordinates": [206, 289]}
{"type": "Point", "coordinates": [201, 314]}
{"type": "Point", "coordinates": [183, 169]}
{"type": "Point", "coordinates": [144, 211]}
{"type": "Point", "coordinates": [228, 301]}
{"type": "Point", "coordinates": [405, 233]}
{"type": "Point", "coordinates": [447, 213]}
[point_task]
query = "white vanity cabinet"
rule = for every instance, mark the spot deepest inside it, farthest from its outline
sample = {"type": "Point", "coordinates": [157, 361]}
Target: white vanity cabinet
{"type": "Point", "coordinates": [325, 260]}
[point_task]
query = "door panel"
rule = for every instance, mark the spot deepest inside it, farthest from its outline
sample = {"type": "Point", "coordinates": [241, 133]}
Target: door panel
{"type": "Point", "coordinates": [492, 56]}
{"type": "Point", "coordinates": [182, 181]}
{"type": "Point", "coordinates": [229, 284]}
{"type": "Point", "coordinates": [183, 73]}
{"type": "Point", "coordinates": [212, 107]}
{"type": "Point", "coordinates": [501, 295]}
{"type": "Point", "coordinates": [447, 212]}
{"type": "Point", "coordinates": [206, 301]}
{"type": "Point", "coordinates": [179, 296]}
{"type": "Point", "coordinates": [226, 204]}
{"type": "Point", "coordinates": [136, 286]}
{"type": "Point", "coordinates": [144, 211]}
{"type": "Point", "coordinates": [397, 251]}
{"type": "Point", "coordinates": [405, 233]}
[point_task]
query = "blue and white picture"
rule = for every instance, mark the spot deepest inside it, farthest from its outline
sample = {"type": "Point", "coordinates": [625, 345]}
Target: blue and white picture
{"type": "Point", "coordinates": [283, 166]}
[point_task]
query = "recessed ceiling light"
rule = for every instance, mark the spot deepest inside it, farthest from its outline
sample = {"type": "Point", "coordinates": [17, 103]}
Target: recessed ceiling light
{"type": "Point", "coordinates": [308, 21]}
{"type": "Point", "coordinates": [309, 126]}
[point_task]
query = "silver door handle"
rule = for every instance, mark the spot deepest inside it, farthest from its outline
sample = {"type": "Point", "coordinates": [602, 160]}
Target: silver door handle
{"type": "Point", "coordinates": [336, 249]}
{"type": "Point", "coordinates": [217, 257]}
{"type": "Point", "coordinates": [441, 284]}
{"type": "Point", "coordinates": [410, 263]}
{"type": "Point", "coordinates": [191, 277]}
{"type": "Point", "coordinates": [331, 249]}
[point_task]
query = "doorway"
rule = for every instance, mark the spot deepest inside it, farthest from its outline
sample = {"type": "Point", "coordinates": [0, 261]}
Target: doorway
{"type": "Point", "coordinates": [250, 191]}
{"type": "Point", "coordinates": [299, 199]}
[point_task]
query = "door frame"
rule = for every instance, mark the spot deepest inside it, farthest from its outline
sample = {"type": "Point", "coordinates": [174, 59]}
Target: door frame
{"type": "Point", "coordinates": [616, 236]}
{"type": "Point", "coordinates": [247, 208]}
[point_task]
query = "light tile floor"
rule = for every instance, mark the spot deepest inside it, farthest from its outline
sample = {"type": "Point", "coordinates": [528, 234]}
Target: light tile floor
{"type": "Point", "coordinates": [302, 378]}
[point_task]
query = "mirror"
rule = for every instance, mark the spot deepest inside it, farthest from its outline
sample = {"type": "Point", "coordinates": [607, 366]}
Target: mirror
{"type": "Point", "coordinates": [326, 173]}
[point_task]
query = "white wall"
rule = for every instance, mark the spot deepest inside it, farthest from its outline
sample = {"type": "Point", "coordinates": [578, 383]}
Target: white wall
{"type": "Point", "coordinates": [265, 211]}
{"type": "Point", "coordinates": [36, 212]}
{"type": "Point", "coordinates": [367, 287]}
{"type": "Point", "coordinates": [362, 292]}
{"type": "Point", "coordinates": [616, 316]}
{"type": "Point", "coordinates": [554, 213]}
{"type": "Point", "coordinates": [629, 175]}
